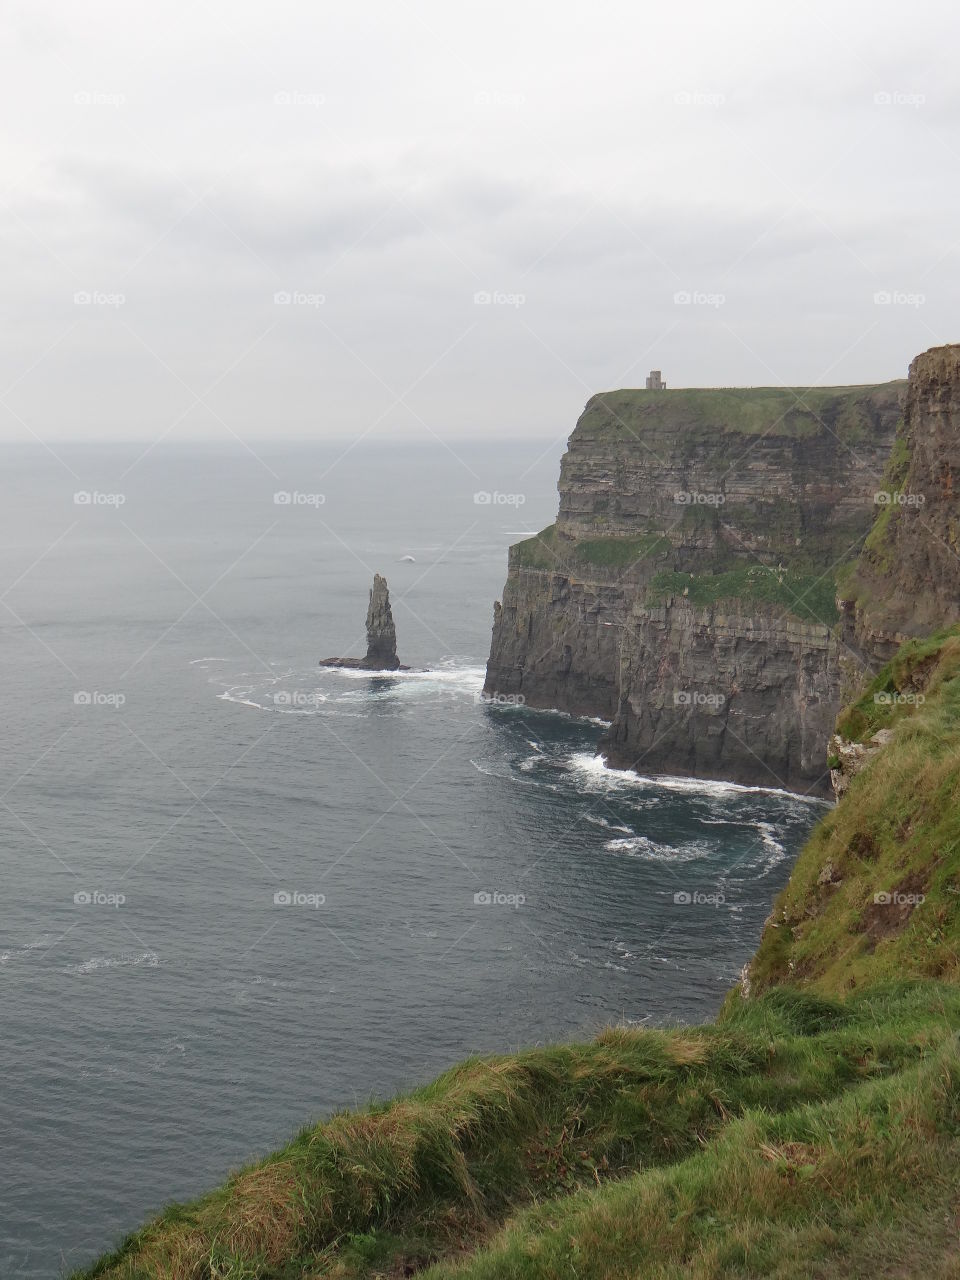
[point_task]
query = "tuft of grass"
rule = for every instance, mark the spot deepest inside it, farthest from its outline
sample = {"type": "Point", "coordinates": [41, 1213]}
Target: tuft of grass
{"type": "Point", "coordinates": [863, 1185]}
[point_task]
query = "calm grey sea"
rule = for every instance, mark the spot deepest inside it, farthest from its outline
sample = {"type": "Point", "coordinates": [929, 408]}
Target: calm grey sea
{"type": "Point", "coordinates": [173, 763]}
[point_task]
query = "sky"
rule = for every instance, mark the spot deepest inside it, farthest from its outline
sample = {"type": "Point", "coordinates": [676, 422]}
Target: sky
{"type": "Point", "coordinates": [410, 219]}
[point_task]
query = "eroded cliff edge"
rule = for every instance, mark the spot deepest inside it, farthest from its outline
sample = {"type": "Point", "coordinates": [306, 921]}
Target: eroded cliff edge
{"type": "Point", "coordinates": [688, 589]}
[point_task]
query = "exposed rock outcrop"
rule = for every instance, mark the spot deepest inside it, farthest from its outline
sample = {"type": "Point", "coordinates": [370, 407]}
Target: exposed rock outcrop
{"type": "Point", "coordinates": [381, 652]}
{"type": "Point", "coordinates": [847, 759]}
{"type": "Point", "coordinates": [907, 582]}
{"type": "Point", "coordinates": [687, 589]}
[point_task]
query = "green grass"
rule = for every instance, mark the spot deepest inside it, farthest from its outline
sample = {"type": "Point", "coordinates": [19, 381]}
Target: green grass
{"type": "Point", "coordinates": [542, 551]}
{"type": "Point", "coordinates": [549, 550]}
{"type": "Point", "coordinates": [619, 553]}
{"type": "Point", "coordinates": [793, 412]}
{"type": "Point", "coordinates": [811, 597]}
{"type": "Point", "coordinates": [919, 671]}
{"type": "Point", "coordinates": [863, 1186]}
{"type": "Point", "coordinates": [451, 1163]}
{"type": "Point", "coordinates": [896, 831]}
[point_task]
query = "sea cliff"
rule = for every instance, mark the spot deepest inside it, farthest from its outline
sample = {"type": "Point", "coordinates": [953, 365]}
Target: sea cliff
{"type": "Point", "coordinates": [688, 589]}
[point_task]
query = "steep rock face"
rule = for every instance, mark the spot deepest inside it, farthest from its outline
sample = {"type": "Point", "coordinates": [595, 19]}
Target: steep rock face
{"type": "Point", "coordinates": [686, 591]}
{"type": "Point", "coordinates": [763, 472]}
{"type": "Point", "coordinates": [381, 632]}
{"type": "Point", "coordinates": [740, 691]}
{"type": "Point", "coordinates": [907, 582]}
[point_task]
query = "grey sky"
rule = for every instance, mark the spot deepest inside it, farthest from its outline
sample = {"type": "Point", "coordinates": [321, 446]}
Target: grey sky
{"type": "Point", "coordinates": [583, 164]}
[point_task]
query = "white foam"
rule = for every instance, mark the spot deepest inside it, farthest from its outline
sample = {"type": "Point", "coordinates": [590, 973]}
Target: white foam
{"type": "Point", "coordinates": [44, 942]}
{"type": "Point", "coordinates": [489, 771]}
{"type": "Point", "coordinates": [769, 839]}
{"type": "Point", "coordinates": [469, 679]}
{"type": "Point", "coordinates": [125, 958]}
{"type": "Point", "coordinates": [605, 822]}
{"type": "Point", "coordinates": [195, 661]}
{"type": "Point", "coordinates": [595, 769]}
{"type": "Point", "coordinates": [233, 695]}
{"type": "Point", "coordinates": [774, 851]}
{"type": "Point", "coordinates": [644, 847]}
{"type": "Point", "coordinates": [554, 711]}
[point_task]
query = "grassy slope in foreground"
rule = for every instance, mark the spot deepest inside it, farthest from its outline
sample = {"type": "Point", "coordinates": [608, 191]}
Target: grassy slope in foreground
{"type": "Point", "coordinates": [801, 1135]}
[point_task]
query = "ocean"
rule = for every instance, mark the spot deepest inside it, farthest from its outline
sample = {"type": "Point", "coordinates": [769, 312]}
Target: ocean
{"type": "Point", "coordinates": [240, 891]}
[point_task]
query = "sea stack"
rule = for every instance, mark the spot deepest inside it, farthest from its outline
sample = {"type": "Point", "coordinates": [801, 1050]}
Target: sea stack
{"type": "Point", "coordinates": [381, 635]}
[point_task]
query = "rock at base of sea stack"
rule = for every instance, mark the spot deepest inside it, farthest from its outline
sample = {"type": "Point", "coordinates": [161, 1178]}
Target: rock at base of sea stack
{"type": "Point", "coordinates": [381, 635]}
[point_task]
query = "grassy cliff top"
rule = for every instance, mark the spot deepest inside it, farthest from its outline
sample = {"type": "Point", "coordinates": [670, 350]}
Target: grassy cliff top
{"type": "Point", "coordinates": [793, 412]}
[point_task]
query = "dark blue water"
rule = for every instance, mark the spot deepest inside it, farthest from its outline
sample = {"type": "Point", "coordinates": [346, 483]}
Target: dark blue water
{"type": "Point", "coordinates": [171, 752]}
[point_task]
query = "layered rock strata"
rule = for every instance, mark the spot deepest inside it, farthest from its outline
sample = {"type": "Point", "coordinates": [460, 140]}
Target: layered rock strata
{"type": "Point", "coordinates": [687, 592]}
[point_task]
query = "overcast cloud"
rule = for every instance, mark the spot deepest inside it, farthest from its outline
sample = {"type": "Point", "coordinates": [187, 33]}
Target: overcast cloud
{"type": "Point", "coordinates": [718, 190]}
